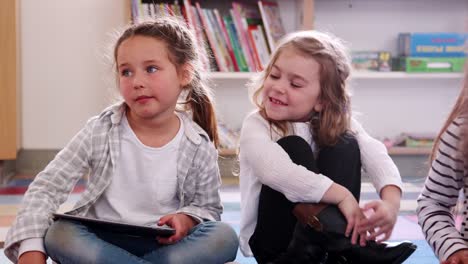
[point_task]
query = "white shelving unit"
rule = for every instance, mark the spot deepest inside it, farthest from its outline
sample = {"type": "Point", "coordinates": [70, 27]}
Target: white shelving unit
{"type": "Point", "coordinates": [354, 75]}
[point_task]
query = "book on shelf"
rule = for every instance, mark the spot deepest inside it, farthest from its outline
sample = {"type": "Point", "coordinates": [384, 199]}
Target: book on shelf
{"type": "Point", "coordinates": [212, 39]}
{"type": "Point", "coordinates": [193, 20]}
{"type": "Point", "coordinates": [259, 44]}
{"type": "Point", "coordinates": [443, 44]}
{"type": "Point", "coordinates": [227, 40]}
{"type": "Point", "coordinates": [274, 28]}
{"type": "Point", "coordinates": [238, 15]}
{"type": "Point", "coordinates": [142, 10]}
{"type": "Point", "coordinates": [432, 64]}
{"type": "Point", "coordinates": [371, 61]}
{"type": "Point", "coordinates": [233, 38]}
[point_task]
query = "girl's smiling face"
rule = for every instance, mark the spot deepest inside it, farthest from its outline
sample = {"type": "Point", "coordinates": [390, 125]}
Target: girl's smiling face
{"type": "Point", "coordinates": [149, 82]}
{"type": "Point", "coordinates": [291, 91]}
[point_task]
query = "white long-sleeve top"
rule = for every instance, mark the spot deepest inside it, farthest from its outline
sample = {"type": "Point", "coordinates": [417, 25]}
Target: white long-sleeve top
{"type": "Point", "coordinates": [263, 161]}
{"type": "Point", "coordinates": [440, 194]}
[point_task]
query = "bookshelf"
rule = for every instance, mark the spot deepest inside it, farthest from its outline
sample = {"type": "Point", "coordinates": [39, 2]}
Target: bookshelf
{"type": "Point", "coordinates": [9, 113]}
{"type": "Point", "coordinates": [355, 75]}
{"type": "Point", "coordinates": [403, 102]}
{"type": "Point", "coordinates": [409, 151]}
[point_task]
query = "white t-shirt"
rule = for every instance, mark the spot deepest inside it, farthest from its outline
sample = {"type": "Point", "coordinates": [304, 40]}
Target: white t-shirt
{"type": "Point", "coordinates": [148, 175]}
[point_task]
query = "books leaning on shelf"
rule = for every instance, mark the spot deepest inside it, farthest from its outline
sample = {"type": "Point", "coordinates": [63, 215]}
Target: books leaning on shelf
{"type": "Point", "coordinates": [274, 28]}
{"type": "Point", "coordinates": [230, 40]}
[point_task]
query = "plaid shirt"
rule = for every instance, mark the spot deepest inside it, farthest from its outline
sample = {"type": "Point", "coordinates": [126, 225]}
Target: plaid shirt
{"type": "Point", "coordinates": [94, 151]}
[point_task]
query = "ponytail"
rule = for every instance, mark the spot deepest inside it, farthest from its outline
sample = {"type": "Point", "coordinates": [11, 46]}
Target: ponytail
{"type": "Point", "coordinates": [201, 104]}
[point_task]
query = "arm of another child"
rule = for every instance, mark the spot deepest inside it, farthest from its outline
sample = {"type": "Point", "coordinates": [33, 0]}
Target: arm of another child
{"type": "Point", "coordinates": [384, 216]}
{"type": "Point", "coordinates": [440, 194]}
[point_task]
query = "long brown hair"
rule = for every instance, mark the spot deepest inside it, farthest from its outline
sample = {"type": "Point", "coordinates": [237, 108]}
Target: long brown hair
{"type": "Point", "coordinates": [182, 47]}
{"type": "Point", "coordinates": [460, 108]}
{"type": "Point", "coordinates": [329, 51]}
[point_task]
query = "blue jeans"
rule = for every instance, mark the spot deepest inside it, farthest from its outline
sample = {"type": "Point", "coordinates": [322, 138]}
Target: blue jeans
{"type": "Point", "coordinates": [71, 242]}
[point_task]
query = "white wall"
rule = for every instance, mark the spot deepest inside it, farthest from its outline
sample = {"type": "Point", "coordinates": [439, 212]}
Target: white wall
{"type": "Point", "coordinates": [63, 69]}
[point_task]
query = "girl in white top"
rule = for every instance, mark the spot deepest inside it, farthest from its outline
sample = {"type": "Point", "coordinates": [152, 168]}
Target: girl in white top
{"type": "Point", "coordinates": [302, 92]}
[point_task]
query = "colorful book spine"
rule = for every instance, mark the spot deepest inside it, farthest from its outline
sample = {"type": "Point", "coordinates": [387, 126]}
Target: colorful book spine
{"type": "Point", "coordinates": [232, 32]}
{"type": "Point", "coordinates": [220, 42]}
{"type": "Point", "coordinates": [242, 33]}
{"type": "Point", "coordinates": [211, 39]}
{"type": "Point", "coordinates": [432, 44]}
{"type": "Point", "coordinates": [261, 46]}
{"type": "Point", "coordinates": [227, 42]}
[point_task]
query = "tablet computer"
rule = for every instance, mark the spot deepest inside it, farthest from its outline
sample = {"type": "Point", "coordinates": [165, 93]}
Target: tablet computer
{"type": "Point", "coordinates": [129, 229]}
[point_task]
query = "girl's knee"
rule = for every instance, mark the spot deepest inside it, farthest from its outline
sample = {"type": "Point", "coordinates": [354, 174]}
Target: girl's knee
{"type": "Point", "coordinates": [65, 240]}
{"type": "Point", "coordinates": [347, 146]}
{"type": "Point", "coordinates": [293, 142]}
{"type": "Point", "coordinates": [223, 234]}
{"type": "Point", "coordinates": [299, 151]}
{"type": "Point", "coordinates": [57, 234]}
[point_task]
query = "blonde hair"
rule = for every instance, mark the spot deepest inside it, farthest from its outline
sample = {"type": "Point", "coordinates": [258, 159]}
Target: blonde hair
{"type": "Point", "coordinates": [182, 47]}
{"type": "Point", "coordinates": [331, 54]}
{"type": "Point", "coordinates": [460, 108]}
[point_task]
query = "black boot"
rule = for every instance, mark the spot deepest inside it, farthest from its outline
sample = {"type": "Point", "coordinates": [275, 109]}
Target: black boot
{"type": "Point", "coordinates": [386, 253]}
{"type": "Point", "coordinates": [330, 231]}
{"type": "Point", "coordinates": [301, 251]}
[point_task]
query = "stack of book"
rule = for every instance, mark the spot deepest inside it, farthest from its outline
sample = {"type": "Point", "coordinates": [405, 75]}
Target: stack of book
{"type": "Point", "coordinates": [371, 61]}
{"type": "Point", "coordinates": [241, 39]}
{"type": "Point", "coordinates": [432, 52]}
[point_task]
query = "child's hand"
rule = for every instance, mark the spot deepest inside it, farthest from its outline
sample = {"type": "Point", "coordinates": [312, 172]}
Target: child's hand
{"type": "Point", "coordinates": [353, 214]}
{"type": "Point", "coordinates": [381, 221]}
{"type": "Point", "coordinates": [182, 224]}
{"type": "Point", "coordinates": [459, 257]}
{"type": "Point", "coordinates": [34, 257]}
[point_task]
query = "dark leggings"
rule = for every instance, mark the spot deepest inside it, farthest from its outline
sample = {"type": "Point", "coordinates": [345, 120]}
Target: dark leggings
{"type": "Point", "coordinates": [275, 221]}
